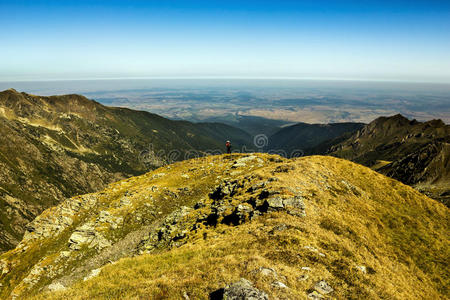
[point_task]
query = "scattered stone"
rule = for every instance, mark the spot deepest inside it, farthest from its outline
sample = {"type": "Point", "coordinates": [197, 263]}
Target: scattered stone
{"type": "Point", "coordinates": [310, 248]}
{"type": "Point", "coordinates": [323, 287]}
{"type": "Point", "coordinates": [314, 295]}
{"type": "Point", "coordinates": [362, 269]}
{"type": "Point", "coordinates": [267, 272]}
{"type": "Point", "coordinates": [306, 269]}
{"type": "Point", "coordinates": [243, 290]}
{"type": "Point", "coordinates": [185, 176]}
{"type": "Point", "coordinates": [279, 284]}
{"type": "Point", "coordinates": [56, 287]}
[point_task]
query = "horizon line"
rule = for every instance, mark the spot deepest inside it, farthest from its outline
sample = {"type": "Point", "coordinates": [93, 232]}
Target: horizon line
{"type": "Point", "coordinates": [287, 78]}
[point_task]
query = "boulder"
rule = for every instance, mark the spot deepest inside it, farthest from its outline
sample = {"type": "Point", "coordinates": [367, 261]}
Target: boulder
{"type": "Point", "coordinates": [323, 287]}
{"type": "Point", "coordinates": [243, 290]}
{"type": "Point", "coordinates": [293, 205]}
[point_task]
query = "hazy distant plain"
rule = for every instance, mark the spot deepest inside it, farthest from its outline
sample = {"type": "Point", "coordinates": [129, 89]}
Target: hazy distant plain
{"type": "Point", "coordinates": [310, 101]}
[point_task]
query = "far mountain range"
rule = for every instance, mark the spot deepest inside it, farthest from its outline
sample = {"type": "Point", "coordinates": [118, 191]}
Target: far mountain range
{"type": "Point", "coordinates": [53, 148]}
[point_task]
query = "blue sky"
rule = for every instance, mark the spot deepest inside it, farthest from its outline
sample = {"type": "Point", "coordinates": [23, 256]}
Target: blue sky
{"type": "Point", "coordinates": [373, 40]}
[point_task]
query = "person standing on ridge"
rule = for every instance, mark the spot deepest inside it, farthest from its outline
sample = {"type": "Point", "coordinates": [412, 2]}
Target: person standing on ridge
{"type": "Point", "coordinates": [228, 145]}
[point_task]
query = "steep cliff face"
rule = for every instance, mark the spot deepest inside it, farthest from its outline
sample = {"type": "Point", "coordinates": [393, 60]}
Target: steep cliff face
{"type": "Point", "coordinates": [52, 148]}
{"type": "Point", "coordinates": [416, 153]}
{"type": "Point", "coordinates": [308, 227]}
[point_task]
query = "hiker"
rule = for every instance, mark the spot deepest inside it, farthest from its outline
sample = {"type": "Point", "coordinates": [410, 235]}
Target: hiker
{"type": "Point", "coordinates": [228, 145]}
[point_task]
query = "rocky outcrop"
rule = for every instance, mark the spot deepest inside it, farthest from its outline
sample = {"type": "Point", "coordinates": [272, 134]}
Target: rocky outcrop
{"type": "Point", "coordinates": [243, 290]}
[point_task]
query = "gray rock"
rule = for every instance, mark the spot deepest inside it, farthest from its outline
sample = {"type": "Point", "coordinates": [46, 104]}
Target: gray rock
{"type": "Point", "coordinates": [279, 284]}
{"type": "Point", "coordinates": [56, 287]}
{"type": "Point", "coordinates": [314, 295]}
{"type": "Point", "coordinates": [167, 233]}
{"type": "Point", "coordinates": [275, 203]}
{"type": "Point", "coordinates": [362, 269]}
{"type": "Point", "coordinates": [293, 205]}
{"type": "Point", "coordinates": [226, 188]}
{"type": "Point", "coordinates": [87, 235]}
{"type": "Point", "coordinates": [243, 290]}
{"type": "Point", "coordinates": [267, 272]}
{"type": "Point", "coordinates": [323, 287]}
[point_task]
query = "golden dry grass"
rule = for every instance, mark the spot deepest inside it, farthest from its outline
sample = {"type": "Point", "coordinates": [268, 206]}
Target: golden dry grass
{"type": "Point", "coordinates": [355, 216]}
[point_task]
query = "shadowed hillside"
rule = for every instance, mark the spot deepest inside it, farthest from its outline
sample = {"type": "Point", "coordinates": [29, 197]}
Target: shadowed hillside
{"type": "Point", "coordinates": [306, 137]}
{"type": "Point", "coordinates": [416, 153]}
{"type": "Point", "coordinates": [308, 227]}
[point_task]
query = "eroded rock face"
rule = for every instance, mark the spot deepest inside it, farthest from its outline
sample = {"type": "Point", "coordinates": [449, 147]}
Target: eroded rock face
{"type": "Point", "coordinates": [243, 290]}
{"type": "Point", "coordinates": [224, 210]}
{"type": "Point", "coordinates": [169, 233]}
{"type": "Point", "coordinates": [88, 235]}
{"type": "Point", "coordinates": [61, 217]}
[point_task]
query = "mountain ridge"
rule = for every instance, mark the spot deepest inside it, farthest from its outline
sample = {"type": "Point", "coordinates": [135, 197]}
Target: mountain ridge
{"type": "Point", "coordinates": [416, 153]}
{"type": "Point", "coordinates": [55, 147]}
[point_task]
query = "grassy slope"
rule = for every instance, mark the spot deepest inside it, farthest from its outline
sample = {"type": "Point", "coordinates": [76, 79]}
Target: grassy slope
{"type": "Point", "coordinates": [355, 216]}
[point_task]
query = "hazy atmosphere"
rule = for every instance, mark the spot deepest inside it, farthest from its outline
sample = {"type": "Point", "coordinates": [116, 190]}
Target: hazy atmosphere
{"type": "Point", "coordinates": [310, 101]}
